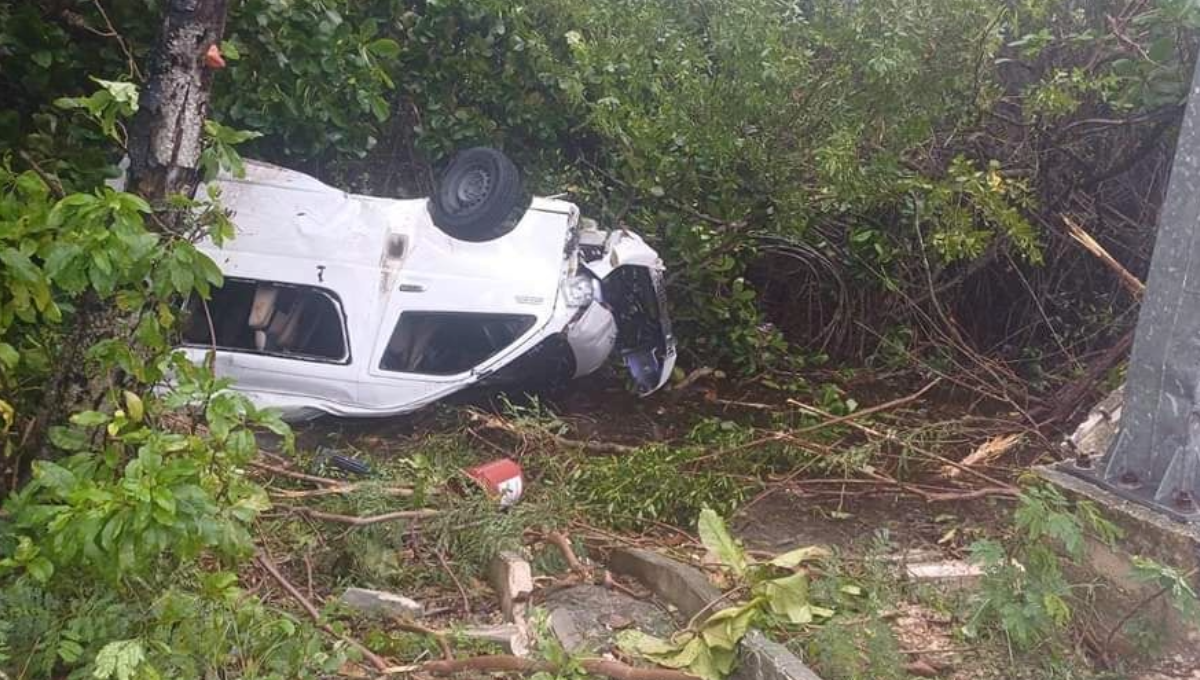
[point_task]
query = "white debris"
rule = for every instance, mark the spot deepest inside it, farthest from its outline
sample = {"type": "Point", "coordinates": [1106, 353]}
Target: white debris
{"type": "Point", "coordinates": [946, 573]}
{"type": "Point", "coordinates": [513, 638]}
{"type": "Point", "coordinates": [381, 602]}
{"type": "Point", "coordinates": [511, 576]}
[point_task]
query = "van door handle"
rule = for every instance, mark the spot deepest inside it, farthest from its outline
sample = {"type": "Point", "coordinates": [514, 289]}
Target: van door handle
{"type": "Point", "coordinates": [411, 288]}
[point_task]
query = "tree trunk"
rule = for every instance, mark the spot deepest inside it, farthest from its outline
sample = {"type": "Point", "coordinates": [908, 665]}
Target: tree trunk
{"type": "Point", "coordinates": [164, 157]}
{"type": "Point", "coordinates": [165, 140]}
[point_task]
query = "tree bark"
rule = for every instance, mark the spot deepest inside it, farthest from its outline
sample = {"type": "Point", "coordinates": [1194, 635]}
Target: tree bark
{"type": "Point", "coordinates": [165, 140]}
{"type": "Point", "coordinates": [164, 158]}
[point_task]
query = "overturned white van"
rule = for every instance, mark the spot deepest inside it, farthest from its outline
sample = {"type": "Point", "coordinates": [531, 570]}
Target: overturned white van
{"type": "Point", "coordinates": [350, 305]}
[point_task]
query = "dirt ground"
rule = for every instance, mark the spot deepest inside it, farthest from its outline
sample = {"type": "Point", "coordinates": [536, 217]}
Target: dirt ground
{"type": "Point", "coordinates": [859, 516]}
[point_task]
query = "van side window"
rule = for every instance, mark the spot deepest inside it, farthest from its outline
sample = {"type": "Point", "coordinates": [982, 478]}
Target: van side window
{"type": "Point", "coordinates": [263, 317]}
{"type": "Point", "coordinates": [446, 343]}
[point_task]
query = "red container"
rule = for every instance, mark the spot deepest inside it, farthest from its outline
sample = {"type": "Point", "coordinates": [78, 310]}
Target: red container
{"type": "Point", "coordinates": [502, 478]}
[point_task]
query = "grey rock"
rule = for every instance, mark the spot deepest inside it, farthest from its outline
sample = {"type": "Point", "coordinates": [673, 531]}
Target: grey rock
{"type": "Point", "coordinates": [582, 617]}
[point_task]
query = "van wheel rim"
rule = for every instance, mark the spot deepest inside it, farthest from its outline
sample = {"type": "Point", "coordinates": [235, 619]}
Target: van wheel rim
{"type": "Point", "coordinates": [473, 188]}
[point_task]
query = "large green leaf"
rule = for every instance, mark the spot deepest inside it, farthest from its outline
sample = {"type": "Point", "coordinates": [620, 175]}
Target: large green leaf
{"type": "Point", "coordinates": [794, 558]}
{"type": "Point", "coordinates": [716, 537]}
{"type": "Point", "coordinates": [727, 627]}
{"type": "Point", "coordinates": [788, 597]}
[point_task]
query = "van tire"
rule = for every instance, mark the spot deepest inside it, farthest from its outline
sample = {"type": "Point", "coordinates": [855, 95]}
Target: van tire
{"type": "Point", "coordinates": [479, 197]}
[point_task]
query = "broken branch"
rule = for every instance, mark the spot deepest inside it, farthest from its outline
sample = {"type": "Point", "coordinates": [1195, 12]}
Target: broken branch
{"type": "Point", "coordinates": [268, 566]}
{"type": "Point", "coordinates": [354, 520]}
{"type": "Point", "coordinates": [284, 472]}
{"type": "Point", "coordinates": [503, 663]}
{"type": "Point", "coordinates": [443, 642]}
{"type": "Point", "coordinates": [564, 546]}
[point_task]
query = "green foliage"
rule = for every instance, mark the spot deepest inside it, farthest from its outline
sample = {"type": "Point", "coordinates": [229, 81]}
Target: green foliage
{"type": "Point", "coordinates": [708, 648]}
{"type": "Point", "coordinates": [854, 650]}
{"type": "Point", "coordinates": [313, 74]}
{"type": "Point", "coordinates": [1173, 583]}
{"type": "Point", "coordinates": [669, 487]}
{"type": "Point", "coordinates": [99, 548]}
{"type": "Point", "coordinates": [178, 631]}
{"type": "Point", "coordinates": [1025, 593]}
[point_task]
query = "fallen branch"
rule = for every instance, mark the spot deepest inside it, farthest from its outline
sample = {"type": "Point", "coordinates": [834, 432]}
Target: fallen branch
{"type": "Point", "coordinates": [284, 472]}
{"type": "Point", "coordinates": [268, 566]}
{"type": "Point", "coordinates": [1008, 488]}
{"type": "Point", "coordinates": [438, 636]}
{"type": "Point", "coordinates": [986, 452]}
{"type": "Point", "coordinates": [886, 406]}
{"type": "Point", "coordinates": [498, 423]}
{"type": "Point", "coordinates": [397, 491]}
{"type": "Point", "coordinates": [564, 546]}
{"type": "Point", "coordinates": [354, 520]}
{"type": "Point", "coordinates": [503, 663]}
{"type": "Point", "coordinates": [1131, 283]}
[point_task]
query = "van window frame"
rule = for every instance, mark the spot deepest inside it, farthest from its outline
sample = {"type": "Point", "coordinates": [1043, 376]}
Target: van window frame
{"type": "Point", "coordinates": [530, 321]}
{"type": "Point", "coordinates": [330, 294]}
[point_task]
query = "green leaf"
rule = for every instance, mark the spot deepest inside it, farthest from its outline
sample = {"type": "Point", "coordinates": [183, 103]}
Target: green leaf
{"type": "Point", "coordinates": [727, 627]}
{"type": "Point", "coordinates": [68, 439]}
{"type": "Point", "coordinates": [134, 407]}
{"type": "Point", "coordinates": [8, 355]}
{"type": "Point", "coordinates": [720, 542]}
{"type": "Point", "coordinates": [385, 48]}
{"type": "Point", "coordinates": [788, 597]}
{"type": "Point", "coordinates": [119, 660]}
{"type": "Point", "coordinates": [89, 418]}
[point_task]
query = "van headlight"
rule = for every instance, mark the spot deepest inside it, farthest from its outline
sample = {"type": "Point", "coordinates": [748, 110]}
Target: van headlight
{"type": "Point", "coordinates": [579, 290]}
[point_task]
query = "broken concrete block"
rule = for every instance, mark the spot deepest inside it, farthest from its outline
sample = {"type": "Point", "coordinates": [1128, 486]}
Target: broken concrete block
{"type": "Point", "coordinates": [588, 617]}
{"type": "Point", "coordinates": [951, 574]}
{"type": "Point", "coordinates": [1095, 435]}
{"type": "Point", "coordinates": [512, 638]}
{"type": "Point", "coordinates": [511, 576]}
{"type": "Point", "coordinates": [381, 602]}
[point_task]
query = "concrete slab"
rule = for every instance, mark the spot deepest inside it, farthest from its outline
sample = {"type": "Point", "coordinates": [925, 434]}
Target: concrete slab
{"type": "Point", "coordinates": [587, 618]}
{"type": "Point", "coordinates": [1145, 534]}
{"type": "Point", "coordinates": [945, 574]}
{"type": "Point", "coordinates": [688, 589]}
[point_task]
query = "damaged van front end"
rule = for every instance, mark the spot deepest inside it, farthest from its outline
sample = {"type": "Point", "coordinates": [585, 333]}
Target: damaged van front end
{"type": "Point", "coordinates": [356, 306]}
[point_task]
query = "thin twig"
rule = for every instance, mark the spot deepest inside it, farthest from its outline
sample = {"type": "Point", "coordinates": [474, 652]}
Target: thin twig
{"type": "Point", "coordinates": [269, 566]}
{"type": "Point", "coordinates": [568, 553]}
{"type": "Point", "coordinates": [354, 520]}
{"type": "Point", "coordinates": [1108, 639]}
{"type": "Point", "coordinates": [503, 663]}
{"type": "Point", "coordinates": [51, 181]}
{"type": "Point", "coordinates": [924, 452]}
{"type": "Point", "coordinates": [886, 406]}
{"type": "Point", "coordinates": [462, 592]}
{"type": "Point", "coordinates": [284, 472]}
{"type": "Point", "coordinates": [440, 637]}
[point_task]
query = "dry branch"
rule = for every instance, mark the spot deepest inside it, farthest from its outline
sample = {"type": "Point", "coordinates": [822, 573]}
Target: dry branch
{"type": "Point", "coordinates": [438, 636]}
{"type": "Point", "coordinates": [996, 483]}
{"type": "Point", "coordinates": [1131, 283]}
{"type": "Point", "coordinates": [354, 520]}
{"type": "Point", "coordinates": [564, 546]}
{"type": "Point", "coordinates": [268, 566]}
{"type": "Point", "coordinates": [503, 663]}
